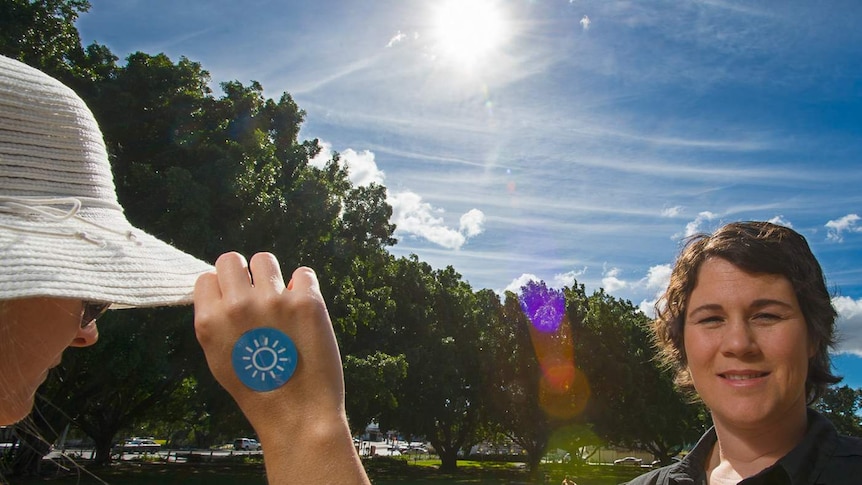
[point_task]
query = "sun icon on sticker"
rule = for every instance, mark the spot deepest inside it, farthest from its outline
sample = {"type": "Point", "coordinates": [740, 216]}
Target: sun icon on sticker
{"type": "Point", "coordinates": [264, 358]}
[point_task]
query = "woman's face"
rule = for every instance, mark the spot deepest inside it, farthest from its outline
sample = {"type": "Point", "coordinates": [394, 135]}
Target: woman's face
{"type": "Point", "coordinates": [34, 332]}
{"type": "Point", "coordinates": [747, 346]}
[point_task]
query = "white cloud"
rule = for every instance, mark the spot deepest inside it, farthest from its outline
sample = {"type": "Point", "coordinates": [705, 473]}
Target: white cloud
{"type": "Point", "coordinates": [398, 37]}
{"type": "Point", "coordinates": [472, 223]}
{"type": "Point", "coordinates": [413, 216]}
{"type": "Point", "coordinates": [585, 23]}
{"type": "Point", "coordinates": [696, 225]}
{"type": "Point", "coordinates": [361, 167]}
{"type": "Point", "coordinates": [647, 307]}
{"type": "Point", "coordinates": [324, 156]}
{"type": "Point", "coordinates": [671, 211]}
{"type": "Point", "coordinates": [567, 278]}
{"type": "Point", "coordinates": [781, 221]}
{"type": "Point", "coordinates": [517, 283]}
{"type": "Point", "coordinates": [838, 227]}
{"type": "Point", "coordinates": [849, 324]}
{"type": "Point", "coordinates": [658, 277]}
{"type": "Point", "coordinates": [610, 282]}
{"type": "Point", "coordinates": [410, 214]}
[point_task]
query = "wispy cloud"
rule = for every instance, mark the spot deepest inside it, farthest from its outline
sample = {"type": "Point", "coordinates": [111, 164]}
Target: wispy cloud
{"type": "Point", "coordinates": [397, 38]}
{"type": "Point", "coordinates": [585, 23]}
{"type": "Point", "coordinates": [838, 227]}
{"type": "Point", "coordinates": [671, 211]}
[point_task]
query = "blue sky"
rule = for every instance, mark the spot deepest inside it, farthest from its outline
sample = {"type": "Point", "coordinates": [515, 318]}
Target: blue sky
{"type": "Point", "coordinates": [560, 139]}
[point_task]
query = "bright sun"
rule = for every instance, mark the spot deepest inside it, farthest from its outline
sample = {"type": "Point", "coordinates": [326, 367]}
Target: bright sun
{"type": "Point", "coordinates": [468, 30]}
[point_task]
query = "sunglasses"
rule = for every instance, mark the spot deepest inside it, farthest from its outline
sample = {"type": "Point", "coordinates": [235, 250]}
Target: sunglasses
{"type": "Point", "coordinates": [93, 310]}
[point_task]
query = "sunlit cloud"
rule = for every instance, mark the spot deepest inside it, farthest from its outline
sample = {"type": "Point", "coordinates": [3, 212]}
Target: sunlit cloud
{"type": "Point", "coordinates": [517, 283]}
{"type": "Point", "coordinates": [658, 277]}
{"type": "Point", "coordinates": [585, 23]}
{"type": "Point", "coordinates": [414, 217]}
{"type": "Point", "coordinates": [472, 223]}
{"type": "Point", "coordinates": [569, 277]}
{"type": "Point", "coordinates": [656, 280]}
{"type": "Point", "coordinates": [410, 214]}
{"type": "Point", "coordinates": [838, 227]}
{"type": "Point", "coordinates": [362, 169]}
{"type": "Point", "coordinates": [611, 282]}
{"type": "Point", "coordinates": [361, 166]}
{"type": "Point", "coordinates": [849, 324]}
{"type": "Point", "coordinates": [696, 226]}
{"type": "Point", "coordinates": [781, 221]}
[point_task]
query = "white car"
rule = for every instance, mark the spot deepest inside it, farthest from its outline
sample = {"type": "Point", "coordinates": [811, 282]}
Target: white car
{"type": "Point", "coordinates": [629, 460]}
{"type": "Point", "coordinates": [247, 444]}
{"type": "Point", "coordinates": [140, 445]}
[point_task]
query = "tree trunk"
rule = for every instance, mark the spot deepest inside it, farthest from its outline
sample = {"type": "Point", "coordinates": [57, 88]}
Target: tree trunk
{"type": "Point", "coordinates": [103, 449]}
{"type": "Point", "coordinates": [448, 460]}
{"type": "Point", "coordinates": [533, 462]}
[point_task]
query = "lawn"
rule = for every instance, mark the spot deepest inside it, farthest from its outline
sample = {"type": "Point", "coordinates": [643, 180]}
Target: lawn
{"type": "Point", "coordinates": [381, 471]}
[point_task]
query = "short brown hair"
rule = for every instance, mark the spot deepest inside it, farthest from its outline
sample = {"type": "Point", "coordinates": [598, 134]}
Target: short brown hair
{"type": "Point", "coordinates": [757, 247]}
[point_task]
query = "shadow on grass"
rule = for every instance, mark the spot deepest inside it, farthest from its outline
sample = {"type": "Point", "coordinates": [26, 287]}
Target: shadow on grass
{"type": "Point", "coordinates": [391, 472]}
{"type": "Point", "coordinates": [382, 471]}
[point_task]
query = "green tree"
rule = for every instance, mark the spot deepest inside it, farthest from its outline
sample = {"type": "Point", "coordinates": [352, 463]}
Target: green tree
{"type": "Point", "coordinates": [535, 391]}
{"type": "Point", "coordinates": [513, 375]}
{"type": "Point", "coordinates": [634, 403]}
{"type": "Point", "coordinates": [141, 359]}
{"type": "Point", "coordinates": [370, 384]}
{"type": "Point", "coordinates": [210, 175]}
{"type": "Point", "coordinates": [434, 325]}
{"type": "Point", "coordinates": [842, 406]}
{"type": "Point", "coordinates": [42, 33]}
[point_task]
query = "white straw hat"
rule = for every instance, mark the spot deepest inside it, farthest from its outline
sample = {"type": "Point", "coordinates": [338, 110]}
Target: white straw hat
{"type": "Point", "coordinates": [62, 231]}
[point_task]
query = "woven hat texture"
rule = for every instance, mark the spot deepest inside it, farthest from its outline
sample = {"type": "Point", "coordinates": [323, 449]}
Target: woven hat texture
{"type": "Point", "coordinates": [62, 231]}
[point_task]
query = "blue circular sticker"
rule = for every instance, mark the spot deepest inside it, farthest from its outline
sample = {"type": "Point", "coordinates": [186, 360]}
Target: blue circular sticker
{"type": "Point", "coordinates": [264, 358]}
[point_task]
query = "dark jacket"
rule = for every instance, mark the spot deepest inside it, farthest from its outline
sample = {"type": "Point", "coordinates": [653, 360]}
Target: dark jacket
{"type": "Point", "coordinates": [822, 458]}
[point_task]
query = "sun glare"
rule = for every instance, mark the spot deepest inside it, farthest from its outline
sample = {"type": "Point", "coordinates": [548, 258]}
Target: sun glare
{"type": "Point", "coordinates": [468, 30]}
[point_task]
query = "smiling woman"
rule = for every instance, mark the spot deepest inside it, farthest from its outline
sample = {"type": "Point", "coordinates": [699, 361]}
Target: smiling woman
{"type": "Point", "coordinates": [467, 30]}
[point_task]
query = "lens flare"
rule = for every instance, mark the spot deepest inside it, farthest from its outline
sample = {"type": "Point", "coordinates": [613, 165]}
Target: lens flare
{"type": "Point", "coordinates": [545, 307]}
{"type": "Point", "coordinates": [563, 389]}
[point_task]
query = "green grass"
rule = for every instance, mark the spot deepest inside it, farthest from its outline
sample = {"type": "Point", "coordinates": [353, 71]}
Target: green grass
{"type": "Point", "coordinates": [385, 471]}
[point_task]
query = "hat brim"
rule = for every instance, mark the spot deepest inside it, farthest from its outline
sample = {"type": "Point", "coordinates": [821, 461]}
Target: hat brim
{"type": "Point", "coordinates": [95, 256]}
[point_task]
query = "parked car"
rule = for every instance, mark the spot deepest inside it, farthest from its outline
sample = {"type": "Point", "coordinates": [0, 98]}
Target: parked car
{"type": "Point", "coordinates": [247, 444]}
{"type": "Point", "coordinates": [628, 461]}
{"type": "Point", "coordinates": [139, 445]}
{"type": "Point", "coordinates": [415, 450]}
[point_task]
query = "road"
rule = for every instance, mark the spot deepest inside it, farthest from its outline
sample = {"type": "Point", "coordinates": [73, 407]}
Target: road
{"type": "Point", "coordinates": [168, 455]}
